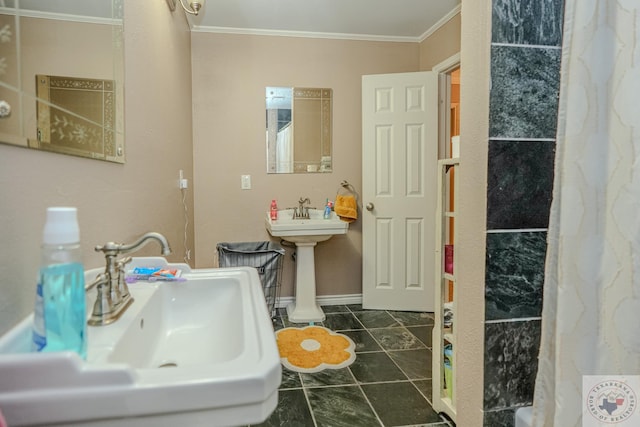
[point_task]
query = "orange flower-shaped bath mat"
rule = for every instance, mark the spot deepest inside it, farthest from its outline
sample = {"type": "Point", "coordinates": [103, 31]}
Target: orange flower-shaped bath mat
{"type": "Point", "coordinates": [314, 348]}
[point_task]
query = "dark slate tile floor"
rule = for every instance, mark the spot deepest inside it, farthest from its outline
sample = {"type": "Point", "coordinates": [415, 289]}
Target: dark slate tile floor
{"type": "Point", "coordinates": [388, 385]}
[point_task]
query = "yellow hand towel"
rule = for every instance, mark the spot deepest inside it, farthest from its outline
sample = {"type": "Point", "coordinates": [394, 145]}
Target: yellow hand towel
{"type": "Point", "coordinates": [346, 208]}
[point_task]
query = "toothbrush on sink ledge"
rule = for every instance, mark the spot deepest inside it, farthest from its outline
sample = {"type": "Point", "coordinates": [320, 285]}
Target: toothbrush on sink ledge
{"type": "Point", "coordinates": [154, 274]}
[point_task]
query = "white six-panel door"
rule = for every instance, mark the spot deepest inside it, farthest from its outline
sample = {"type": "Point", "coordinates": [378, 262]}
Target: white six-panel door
{"type": "Point", "coordinates": [399, 162]}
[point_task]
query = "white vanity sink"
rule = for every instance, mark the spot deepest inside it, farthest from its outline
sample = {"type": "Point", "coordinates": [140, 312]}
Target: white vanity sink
{"type": "Point", "coordinates": [199, 352]}
{"type": "Point", "coordinates": [305, 233]}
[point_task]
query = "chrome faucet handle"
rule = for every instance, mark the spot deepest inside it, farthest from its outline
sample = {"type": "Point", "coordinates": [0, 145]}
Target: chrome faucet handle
{"type": "Point", "coordinates": [120, 264]}
{"type": "Point", "coordinates": [99, 280]}
{"type": "Point", "coordinates": [109, 248]}
{"type": "Point", "coordinates": [123, 289]}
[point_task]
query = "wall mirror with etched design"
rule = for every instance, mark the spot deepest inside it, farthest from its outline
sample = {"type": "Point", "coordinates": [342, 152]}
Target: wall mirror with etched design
{"type": "Point", "coordinates": [299, 129]}
{"type": "Point", "coordinates": [62, 77]}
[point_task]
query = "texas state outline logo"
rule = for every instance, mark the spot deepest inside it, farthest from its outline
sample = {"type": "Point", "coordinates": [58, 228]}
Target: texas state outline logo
{"type": "Point", "coordinates": [610, 401]}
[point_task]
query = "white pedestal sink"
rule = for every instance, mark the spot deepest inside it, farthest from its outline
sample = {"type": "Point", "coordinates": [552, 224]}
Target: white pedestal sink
{"type": "Point", "coordinates": [306, 234]}
{"type": "Point", "coordinates": [198, 352]}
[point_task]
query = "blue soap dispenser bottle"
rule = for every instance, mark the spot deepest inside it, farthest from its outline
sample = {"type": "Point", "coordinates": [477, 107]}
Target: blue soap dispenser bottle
{"type": "Point", "coordinates": [60, 322]}
{"type": "Point", "coordinates": [327, 210]}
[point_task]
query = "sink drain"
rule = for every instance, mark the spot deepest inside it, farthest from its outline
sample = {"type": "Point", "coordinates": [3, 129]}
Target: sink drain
{"type": "Point", "coordinates": [168, 365]}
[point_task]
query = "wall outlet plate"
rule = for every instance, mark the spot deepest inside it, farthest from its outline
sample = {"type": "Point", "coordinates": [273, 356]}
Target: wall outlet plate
{"type": "Point", "coordinates": [183, 183]}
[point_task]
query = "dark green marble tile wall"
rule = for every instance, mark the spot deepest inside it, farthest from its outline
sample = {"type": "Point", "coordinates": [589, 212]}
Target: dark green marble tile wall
{"type": "Point", "coordinates": [531, 22]}
{"type": "Point", "coordinates": [501, 418]}
{"type": "Point", "coordinates": [510, 365]}
{"type": "Point", "coordinates": [525, 82]}
{"type": "Point", "coordinates": [514, 274]}
{"type": "Point", "coordinates": [519, 184]}
{"type": "Point", "coordinates": [523, 102]}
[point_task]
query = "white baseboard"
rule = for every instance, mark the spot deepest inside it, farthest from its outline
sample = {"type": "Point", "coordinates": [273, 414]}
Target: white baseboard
{"type": "Point", "coordinates": [326, 300]}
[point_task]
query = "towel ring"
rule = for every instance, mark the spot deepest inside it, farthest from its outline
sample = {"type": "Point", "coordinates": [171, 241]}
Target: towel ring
{"type": "Point", "coordinates": [347, 189]}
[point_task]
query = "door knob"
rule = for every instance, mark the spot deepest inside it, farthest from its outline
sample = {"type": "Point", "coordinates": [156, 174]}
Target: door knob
{"type": "Point", "coordinates": [369, 206]}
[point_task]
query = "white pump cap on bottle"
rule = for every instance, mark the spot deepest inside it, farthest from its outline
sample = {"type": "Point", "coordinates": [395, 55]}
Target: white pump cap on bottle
{"type": "Point", "coordinates": [61, 226]}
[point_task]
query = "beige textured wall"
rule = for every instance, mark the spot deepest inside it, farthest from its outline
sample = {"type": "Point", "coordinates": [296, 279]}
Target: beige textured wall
{"type": "Point", "coordinates": [471, 225]}
{"type": "Point", "coordinates": [115, 202]}
{"type": "Point", "coordinates": [442, 44]}
{"type": "Point", "coordinates": [230, 73]}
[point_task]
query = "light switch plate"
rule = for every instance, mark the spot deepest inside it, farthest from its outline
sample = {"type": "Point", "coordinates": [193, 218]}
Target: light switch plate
{"type": "Point", "coordinates": [245, 182]}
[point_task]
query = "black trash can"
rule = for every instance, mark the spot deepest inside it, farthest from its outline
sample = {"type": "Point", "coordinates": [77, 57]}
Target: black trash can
{"type": "Point", "coordinates": [266, 257]}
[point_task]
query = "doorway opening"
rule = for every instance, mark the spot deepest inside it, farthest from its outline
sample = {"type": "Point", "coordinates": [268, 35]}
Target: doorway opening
{"type": "Point", "coordinates": [449, 107]}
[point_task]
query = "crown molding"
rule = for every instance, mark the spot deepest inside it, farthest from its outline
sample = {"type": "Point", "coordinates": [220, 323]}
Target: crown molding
{"type": "Point", "coordinates": [303, 34]}
{"type": "Point", "coordinates": [435, 27]}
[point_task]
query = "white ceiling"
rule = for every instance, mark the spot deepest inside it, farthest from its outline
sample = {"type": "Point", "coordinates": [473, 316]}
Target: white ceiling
{"type": "Point", "coordinates": [401, 20]}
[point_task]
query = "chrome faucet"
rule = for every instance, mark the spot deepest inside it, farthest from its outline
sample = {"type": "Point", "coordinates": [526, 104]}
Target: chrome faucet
{"type": "Point", "coordinates": [302, 212]}
{"type": "Point", "coordinates": [113, 293]}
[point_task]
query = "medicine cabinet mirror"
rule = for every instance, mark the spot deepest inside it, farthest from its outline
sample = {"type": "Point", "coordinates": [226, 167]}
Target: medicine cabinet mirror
{"type": "Point", "coordinates": [62, 77]}
{"type": "Point", "coordinates": [299, 129]}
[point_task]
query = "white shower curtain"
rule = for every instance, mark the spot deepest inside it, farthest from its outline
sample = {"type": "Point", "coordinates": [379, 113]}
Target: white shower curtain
{"type": "Point", "coordinates": [284, 150]}
{"type": "Point", "coordinates": [591, 311]}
